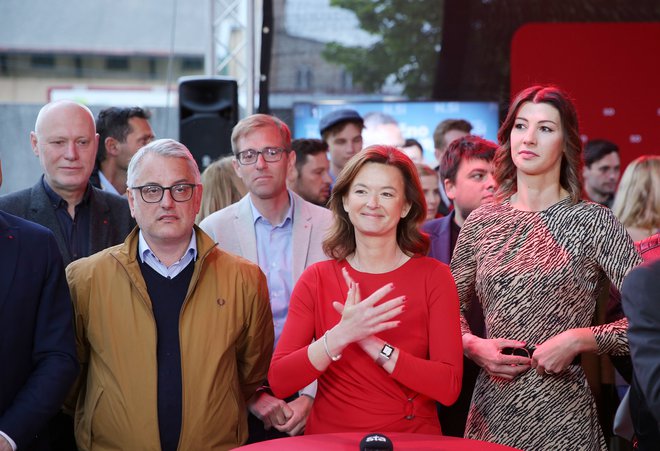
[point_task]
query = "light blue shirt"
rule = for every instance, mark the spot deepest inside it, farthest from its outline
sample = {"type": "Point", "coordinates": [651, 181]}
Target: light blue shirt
{"type": "Point", "coordinates": [107, 186]}
{"type": "Point", "coordinates": [147, 256]}
{"type": "Point", "coordinates": [275, 255]}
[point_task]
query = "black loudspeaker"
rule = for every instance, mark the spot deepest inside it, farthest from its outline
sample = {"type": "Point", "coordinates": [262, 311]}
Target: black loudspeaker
{"type": "Point", "coordinates": [208, 111]}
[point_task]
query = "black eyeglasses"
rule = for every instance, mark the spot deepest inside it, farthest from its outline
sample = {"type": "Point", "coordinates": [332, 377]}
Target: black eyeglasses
{"type": "Point", "coordinates": [152, 194]}
{"type": "Point", "coordinates": [250, 156]}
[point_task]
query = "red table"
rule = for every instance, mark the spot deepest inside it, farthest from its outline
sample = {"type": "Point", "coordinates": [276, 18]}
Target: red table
{"type": "Point", "coordinates": [350, 441]}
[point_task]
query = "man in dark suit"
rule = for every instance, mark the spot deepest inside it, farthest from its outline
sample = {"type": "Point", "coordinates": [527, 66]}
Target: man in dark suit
{"type": "Point", "coordinates": [640, 295]}
{"type": "Point", "coordinates": [84, 219]}
{"type": "Point", "coordinates": [37, 349]}
{"type": "Point", "coordinates": [122, 132]}
{"type": "Point", "coordinates": [466, 171]}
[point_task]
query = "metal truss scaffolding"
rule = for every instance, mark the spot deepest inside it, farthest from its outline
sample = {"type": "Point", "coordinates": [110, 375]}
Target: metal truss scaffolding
{"type": "Point", "coordinates": [232, 45]}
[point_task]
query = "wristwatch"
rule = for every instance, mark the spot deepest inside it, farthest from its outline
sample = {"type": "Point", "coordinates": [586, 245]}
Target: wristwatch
{"type": "Point", "coordinates": [385, 354]}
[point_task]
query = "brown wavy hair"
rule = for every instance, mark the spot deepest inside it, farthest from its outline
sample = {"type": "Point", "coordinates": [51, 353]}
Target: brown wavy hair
{"type": "Point", "coordinates": [570, 177]}
{"type": "Point", "coordinates": [340, 242]}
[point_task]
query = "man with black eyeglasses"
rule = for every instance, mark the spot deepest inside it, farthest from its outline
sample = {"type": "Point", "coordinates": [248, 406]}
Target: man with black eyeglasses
{"type": "Point", "coordinates": [174, 335]}
{"type": "Point", "coordinates": [277, 229]}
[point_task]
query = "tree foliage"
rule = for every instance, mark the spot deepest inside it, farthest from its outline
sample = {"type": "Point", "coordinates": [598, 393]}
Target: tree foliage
{"type": "Point", "coordinates": [407, 49]}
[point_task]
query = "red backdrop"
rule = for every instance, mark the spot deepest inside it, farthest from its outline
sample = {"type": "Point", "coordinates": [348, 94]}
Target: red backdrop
{"type": "Point", "coordinates": [612, 70]}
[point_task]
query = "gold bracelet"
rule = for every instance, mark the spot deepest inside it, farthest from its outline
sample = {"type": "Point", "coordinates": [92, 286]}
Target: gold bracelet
{"type": "Point", "coordinates": [334, 358]}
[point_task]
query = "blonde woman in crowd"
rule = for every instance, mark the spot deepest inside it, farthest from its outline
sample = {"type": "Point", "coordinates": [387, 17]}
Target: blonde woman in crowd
{"type": "Point", "coordinates": [222, 187]}
{"type": "Point", "coordinates": [637, 200]}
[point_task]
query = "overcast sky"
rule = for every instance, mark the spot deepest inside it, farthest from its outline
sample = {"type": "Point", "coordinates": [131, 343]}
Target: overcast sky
{"type": "Point", "coordinates": [316, 19]}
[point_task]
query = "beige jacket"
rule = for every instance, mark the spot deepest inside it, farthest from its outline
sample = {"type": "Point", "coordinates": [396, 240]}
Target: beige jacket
{"type": "Point", "coordinates": [226, 338]}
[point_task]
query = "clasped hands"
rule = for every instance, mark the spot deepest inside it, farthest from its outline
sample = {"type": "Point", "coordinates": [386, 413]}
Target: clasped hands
{"type": "Point", "coordinates": [286, 417]}
{"type": "Point", "coordinates": [496, 357]}
{"type": "Point", "coordinates": [361, 319]}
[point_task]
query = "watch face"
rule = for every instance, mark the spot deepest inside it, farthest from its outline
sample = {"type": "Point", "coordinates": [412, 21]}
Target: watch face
{"type": "Point", "coordinates": [387, 351]}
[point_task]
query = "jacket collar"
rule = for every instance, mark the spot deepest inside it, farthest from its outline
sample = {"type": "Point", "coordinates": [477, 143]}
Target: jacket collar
{"type": "Point", "coordinates": [127, 256]}
{"type": "Point", "coordinates": [128, 252]}
{"type": "Point", "coordinates": [101, 221]}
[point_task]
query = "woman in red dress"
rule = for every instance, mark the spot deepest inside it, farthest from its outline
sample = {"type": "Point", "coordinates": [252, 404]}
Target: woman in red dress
{"type": "Point", "coordinates": [382, 361]}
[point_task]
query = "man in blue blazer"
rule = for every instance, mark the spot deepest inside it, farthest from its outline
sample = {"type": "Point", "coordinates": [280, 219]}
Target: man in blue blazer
{"type": "Point", "coordinates": [84, 219]}
{"type": "Point", "coordinates": [281, 232]}
{"type": "Point", "coordinates": [466, 170]}
{"type": "Point", "coordinates": [37, 349]}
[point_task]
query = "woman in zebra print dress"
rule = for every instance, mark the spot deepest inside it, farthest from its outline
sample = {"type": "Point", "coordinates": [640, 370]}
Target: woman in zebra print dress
{"type": "Point", "coordinates": [536, 259]}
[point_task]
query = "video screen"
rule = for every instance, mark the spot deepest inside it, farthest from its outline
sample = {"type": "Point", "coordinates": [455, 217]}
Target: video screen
{"type": "Point", "coordinates": [416, 119]}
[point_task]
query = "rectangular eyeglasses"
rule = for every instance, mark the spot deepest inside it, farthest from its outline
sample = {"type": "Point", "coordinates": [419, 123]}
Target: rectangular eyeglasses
{"type": "Point", "coordinates": [250, 156]}
{"type": "Point", "coordinates": [151, 194]}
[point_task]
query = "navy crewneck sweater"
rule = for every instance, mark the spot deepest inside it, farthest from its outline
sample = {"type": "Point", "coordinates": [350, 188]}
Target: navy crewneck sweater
{"type": "Point", "coordinates": [167, 296]}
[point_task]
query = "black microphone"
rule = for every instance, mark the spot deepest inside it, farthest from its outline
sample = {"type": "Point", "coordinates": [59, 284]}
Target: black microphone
{"type": "Point", "coordinates": [376, 442]}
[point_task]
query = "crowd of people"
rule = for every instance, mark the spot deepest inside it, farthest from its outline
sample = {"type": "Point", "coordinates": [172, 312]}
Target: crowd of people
{"type": "Point", "coordinates": [324, 285]}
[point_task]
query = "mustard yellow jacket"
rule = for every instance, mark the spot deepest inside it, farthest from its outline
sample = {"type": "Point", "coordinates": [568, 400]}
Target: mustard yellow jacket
{"type": "Point", "coordinates": [226, 339]}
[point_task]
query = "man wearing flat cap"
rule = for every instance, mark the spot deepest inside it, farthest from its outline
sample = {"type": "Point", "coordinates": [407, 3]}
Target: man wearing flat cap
{"type": "Point", "coordinates": [342, 131]}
